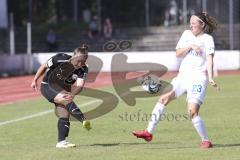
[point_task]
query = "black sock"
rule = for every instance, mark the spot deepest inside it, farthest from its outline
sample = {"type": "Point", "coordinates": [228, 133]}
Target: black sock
{"type": "Point", "coordinates": [63, 128]}
{"type": "Point", "coordinates": [75, 112]}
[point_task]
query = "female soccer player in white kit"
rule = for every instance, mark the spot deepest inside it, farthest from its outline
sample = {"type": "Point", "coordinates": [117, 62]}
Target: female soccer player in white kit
{"type": "Point", "coordinates": [196, 47]}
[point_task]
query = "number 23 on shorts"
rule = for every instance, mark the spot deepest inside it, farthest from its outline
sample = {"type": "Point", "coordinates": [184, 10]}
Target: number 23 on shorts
{"type": "Point", "coordinates": [196, 88]}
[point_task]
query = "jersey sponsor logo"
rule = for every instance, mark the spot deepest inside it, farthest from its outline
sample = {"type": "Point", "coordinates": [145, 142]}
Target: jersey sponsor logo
{"type": "Point", "coordinates": [194, 53]}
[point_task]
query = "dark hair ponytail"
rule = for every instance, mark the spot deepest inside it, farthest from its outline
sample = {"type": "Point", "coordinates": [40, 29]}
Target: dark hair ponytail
{"type": "Point", "coordinates": [82, 50]}
{"type": "Point", "coordinates": [210, 22]}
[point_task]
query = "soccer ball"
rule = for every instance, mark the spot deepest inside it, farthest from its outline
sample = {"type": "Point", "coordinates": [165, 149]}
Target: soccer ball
{"type": "Point", "coordinates": [150, 83]}
{"type": "Point", "coordinates": [151, 87]}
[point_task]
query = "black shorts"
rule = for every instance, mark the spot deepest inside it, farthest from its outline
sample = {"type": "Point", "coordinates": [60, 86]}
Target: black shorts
{"type": "Point", "coordinates": [48, 92]}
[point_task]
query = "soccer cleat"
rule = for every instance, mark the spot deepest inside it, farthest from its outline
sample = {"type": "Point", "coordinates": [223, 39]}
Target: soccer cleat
{"type": "Point", "coordinates": [143, 134]}
{"type": "Point", "coordinates": [87, 125]}
{"type": "Point", "coordinates": [206, 144]}
{"type": "Point", "coordinates": [65, 144]}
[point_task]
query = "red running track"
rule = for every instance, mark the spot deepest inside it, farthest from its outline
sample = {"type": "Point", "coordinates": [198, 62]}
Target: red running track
{"type": "Point", "coordinates": [18, 88]}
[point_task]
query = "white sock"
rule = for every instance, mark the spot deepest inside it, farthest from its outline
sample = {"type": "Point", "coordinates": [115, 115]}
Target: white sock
{"type": "Point", "coordinates": [155, 117]}
{"type": "Point", "coordinates": [200, 127]}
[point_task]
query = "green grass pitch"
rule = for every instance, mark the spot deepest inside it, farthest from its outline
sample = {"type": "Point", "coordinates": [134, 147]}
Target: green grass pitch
{"type": "Point", "coordinates": [111, 137]}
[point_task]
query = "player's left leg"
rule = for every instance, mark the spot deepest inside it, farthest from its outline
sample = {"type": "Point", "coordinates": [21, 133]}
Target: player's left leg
{"type": "Point", "coordinates": [196, 91]}
{"type": "Point", "coordinates": [193, 109]}
{"type": "Point", "coordinates": [72, 108]}
{"type": "Point", "coordinates": [77, 114]}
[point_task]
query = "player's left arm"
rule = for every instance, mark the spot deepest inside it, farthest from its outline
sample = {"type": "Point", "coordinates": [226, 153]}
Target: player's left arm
{"type": "Point", "coordinates": [78, 86]}
{"type": "Point", "coordinates": [80, 82]}
{"type": "Point", "coordinates": [210, 70]}
{"type": "Point", "coordinates": [210, 66]}
{"type": "Point", "coordinates": [210, 50]}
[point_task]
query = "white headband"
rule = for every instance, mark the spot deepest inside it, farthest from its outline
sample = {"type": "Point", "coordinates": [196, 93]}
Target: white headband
{"type": "Point", "coordinates": [199, 19]}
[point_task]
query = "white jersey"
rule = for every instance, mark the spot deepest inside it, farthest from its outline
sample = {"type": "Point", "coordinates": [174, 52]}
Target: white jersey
{"type": "Point", "coordinates": [194, 63]}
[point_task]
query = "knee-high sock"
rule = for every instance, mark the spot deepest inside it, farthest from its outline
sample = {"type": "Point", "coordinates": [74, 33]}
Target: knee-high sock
{"type": "Point", "coordinates": [63, 128]}
{"type": "Point", "coordinates": [155, 117]}
{"type": "Point", "coordinates": [200, 127]}
{"type": "Point", "coordinates": [75, 112]}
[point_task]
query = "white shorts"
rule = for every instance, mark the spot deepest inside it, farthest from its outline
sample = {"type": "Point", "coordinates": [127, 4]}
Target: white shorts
{"type": "Point", "coordinates": [194, 86]}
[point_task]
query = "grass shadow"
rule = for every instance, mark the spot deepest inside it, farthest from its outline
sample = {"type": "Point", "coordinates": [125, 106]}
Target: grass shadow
{"type": "Point", "coordinates": [226, 145]}
{"type": "Point", "coordinates": [123, 144]}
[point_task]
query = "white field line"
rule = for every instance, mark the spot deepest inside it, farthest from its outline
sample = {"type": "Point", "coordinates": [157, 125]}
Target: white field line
{"type": "Point", "coordinates": [26, 117]}
{"type": "Point", "coordinates": [41, 114]}
{"type": "Point", "coordinates": [86, 104]}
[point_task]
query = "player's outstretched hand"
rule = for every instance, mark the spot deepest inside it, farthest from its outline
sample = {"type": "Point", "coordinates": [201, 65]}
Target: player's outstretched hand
{"type": "Point", "coordinates": [34, 85]}
{"type": "Point", "coordinates": [211, 81]}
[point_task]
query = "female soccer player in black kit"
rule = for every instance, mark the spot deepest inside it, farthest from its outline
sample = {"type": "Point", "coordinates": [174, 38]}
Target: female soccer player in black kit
{"type": "Point", "coordinates": [62, 71]}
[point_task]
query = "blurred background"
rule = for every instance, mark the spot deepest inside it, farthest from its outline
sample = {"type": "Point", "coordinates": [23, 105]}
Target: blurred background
{"type": "Point", "coordinates": [152, 25]}
{"type": "Point", "coordinates": [32, 26]}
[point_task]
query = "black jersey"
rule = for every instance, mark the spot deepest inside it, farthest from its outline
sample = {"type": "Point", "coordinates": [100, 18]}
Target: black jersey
{"type": "Point", "coordinates": [58, 60]}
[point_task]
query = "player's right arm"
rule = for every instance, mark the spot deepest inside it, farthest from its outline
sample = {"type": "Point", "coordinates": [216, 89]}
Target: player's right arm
{"type": "Point", "coordinates": [39, 73]}
{"type": "Point", "coordinates": [184, 45]}
{"type": "Point", "coordinates": [51, 63]}
{"type": "Point", "coordinates": [181, 52]}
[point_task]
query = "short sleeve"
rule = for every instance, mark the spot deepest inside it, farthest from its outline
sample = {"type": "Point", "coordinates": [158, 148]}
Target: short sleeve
{"type": "Point", "coordinates": [210, 47]}
{"type": "Point", "coordinates": [83, 72]}
{"type": "Point", "coordinates": [183, 41]}
{"type": "Point", "coordinates": [52, 62]}
{"type": "Point", "coordinates": [57, 59]}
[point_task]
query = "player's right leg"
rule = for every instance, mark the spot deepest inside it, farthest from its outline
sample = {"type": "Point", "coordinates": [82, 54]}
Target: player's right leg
{"type": "Point", "coordinates": [63, 127]}
{"type": "Point", "coordinates": [158, 111]}
{"type": "Point", "coordinates": [155, 116]}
